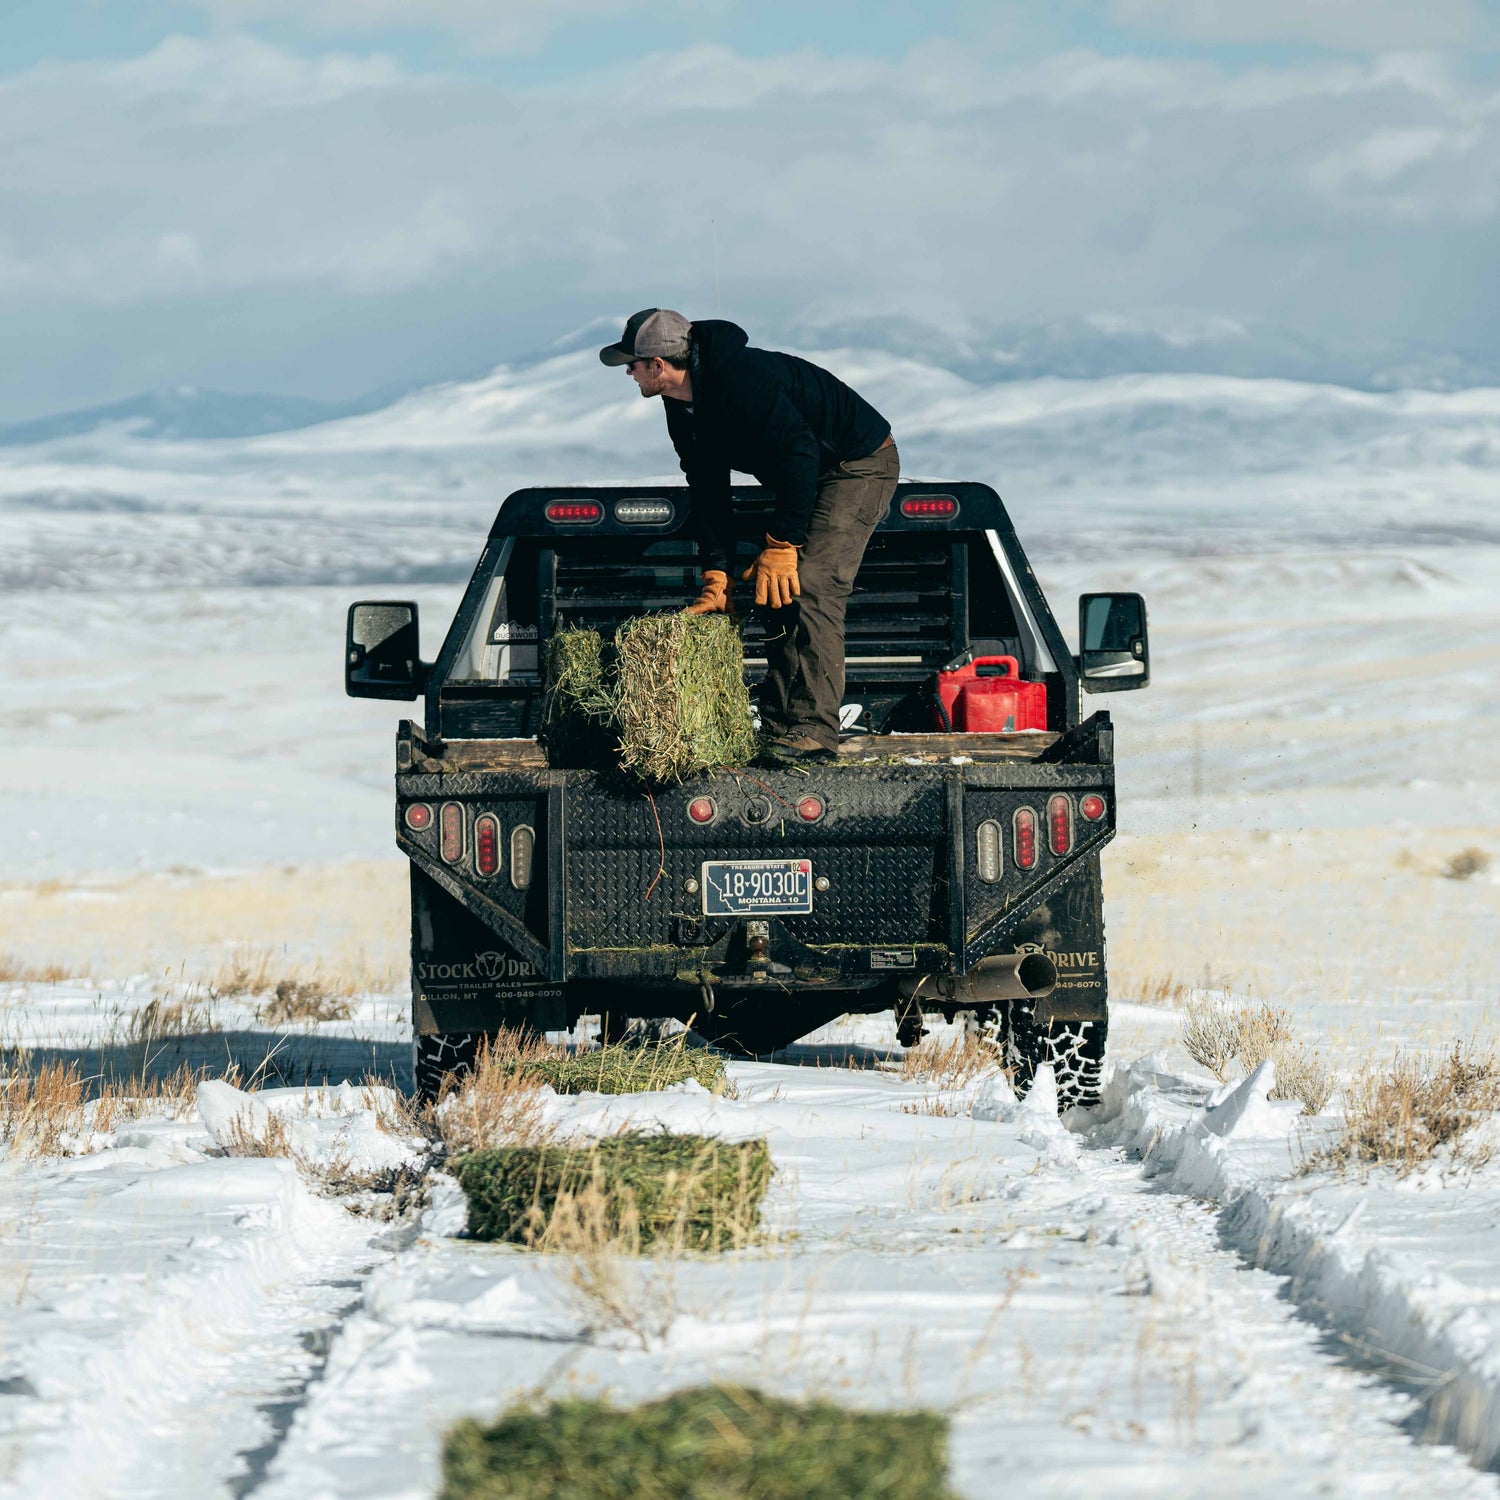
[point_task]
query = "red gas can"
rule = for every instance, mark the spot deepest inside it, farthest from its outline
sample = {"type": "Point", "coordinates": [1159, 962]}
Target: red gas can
{"type": "Point", "coordinates": [987, 696]}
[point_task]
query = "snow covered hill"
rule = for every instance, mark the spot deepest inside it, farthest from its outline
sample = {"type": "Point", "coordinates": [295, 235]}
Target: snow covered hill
{"type": "Point", "coordinates": [1177, 462]}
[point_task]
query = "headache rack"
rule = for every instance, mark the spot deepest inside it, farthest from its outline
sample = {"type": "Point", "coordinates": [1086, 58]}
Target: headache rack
{"type": "Point", "coordinates": [907, 616]}
{"type": "Point", "coordinates": [927, 590]}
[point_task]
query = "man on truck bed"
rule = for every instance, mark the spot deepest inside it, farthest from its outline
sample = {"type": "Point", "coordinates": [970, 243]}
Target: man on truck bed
{"type": "Point", "coordinates": [831, 461]}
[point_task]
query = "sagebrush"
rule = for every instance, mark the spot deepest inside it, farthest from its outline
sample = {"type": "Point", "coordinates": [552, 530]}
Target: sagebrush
{"type": "Point", "coordinates": [1417, 1110]}
{"type": "Point", "coordinates": [1219, 1036]}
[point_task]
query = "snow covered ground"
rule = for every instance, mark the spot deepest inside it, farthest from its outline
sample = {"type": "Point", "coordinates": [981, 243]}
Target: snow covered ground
{"type": "Point", "coordinates": [1144, 1302]}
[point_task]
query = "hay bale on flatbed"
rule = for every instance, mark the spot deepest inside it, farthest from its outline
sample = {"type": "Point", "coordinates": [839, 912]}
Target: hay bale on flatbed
{"type": "Point", "coordinates": [640, 1191]}
{"type": "Point", "coordinates": [717, 1442]}
{"type": "Point", "coordinates": [578, 713]}
{"type": "Point", "coordinates": [680, 700]}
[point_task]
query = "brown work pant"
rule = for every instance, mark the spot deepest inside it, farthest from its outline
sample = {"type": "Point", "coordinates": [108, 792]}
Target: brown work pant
{"type": "Point", "coordinates": [804, 683]}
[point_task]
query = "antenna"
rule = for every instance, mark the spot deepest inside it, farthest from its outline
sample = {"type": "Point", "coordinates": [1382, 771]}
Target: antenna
{"type": "Point", "coordinates": [713, 226]}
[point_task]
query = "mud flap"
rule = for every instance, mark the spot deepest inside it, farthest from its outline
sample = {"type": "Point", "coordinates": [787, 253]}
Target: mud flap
{"type": "Point", "coordinates": [1069, 928]}
{"type": "Point", "coordinates": [464, 978]}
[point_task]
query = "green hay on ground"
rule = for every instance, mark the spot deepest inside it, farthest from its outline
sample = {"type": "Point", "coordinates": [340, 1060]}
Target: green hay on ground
{"type": "Point", "coordinates": [578, 714]}
{"type": "Point", "coordinates": [642, 1191]}
{"type": "Point", "coordinates": [626, 1070]}
{"type": "Point", "coordinates": [681, 705]}
{"type": "Point", "coordinates": [713, 1443]}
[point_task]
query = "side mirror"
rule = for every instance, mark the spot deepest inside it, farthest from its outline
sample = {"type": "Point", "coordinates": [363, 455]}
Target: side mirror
{"type": "Point", "coordinates": [382, 656]}
{"type": "Point", "coordinates": [1113, 653]}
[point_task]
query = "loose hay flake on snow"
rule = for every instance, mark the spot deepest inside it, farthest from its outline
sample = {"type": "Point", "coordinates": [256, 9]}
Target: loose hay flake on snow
{"type": "Point", "coordinates": [625, 1070]}
{"type": "Point", "coordinates": [716, 1442]}
{"type": "Point", "coordinates": [678, 1192]}
{"type": "Point", "coordinates": [680, 699]}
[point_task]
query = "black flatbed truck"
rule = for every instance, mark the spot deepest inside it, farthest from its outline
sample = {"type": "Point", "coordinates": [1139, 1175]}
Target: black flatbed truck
{"type": "Point", "coordinates": [922, 871]}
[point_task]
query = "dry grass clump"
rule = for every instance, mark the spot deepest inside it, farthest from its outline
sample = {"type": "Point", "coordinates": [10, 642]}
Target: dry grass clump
{"type": "Point", "coordinates": [681, 701]}
{"type": "Point", "coordinates": [14, 971]}
{"type": "Point", "coordinates": [1166, 990]}
{"type": "Point", "coordinates": [624, 1194]}
{"type": "Point", "coordinates": [304, 1002]}
{"type": "Point", "coordinates": [715, 1442]}
{"type": "Point", "coordinates": [53, 1110]}
{"type": "Point", "coordinates": [270, 1136]}
{"type": "Point", "coordinates": [498, 1102]}
{"type": "Point", "coordinates": [161, 1018]}
{"type": "Point", "coordinates": [1405, 1117]}
{"type": "Point", "coordinates": [42, 1112]}
{"type": "Point", "coordinates": [1220, 1037]}
{"type": "Point", "coordinates": [1466, 864]}
{"type": "Point", "coordinates": [949, 1062]}
{"type": "Point", "coordinates": [253, 972]}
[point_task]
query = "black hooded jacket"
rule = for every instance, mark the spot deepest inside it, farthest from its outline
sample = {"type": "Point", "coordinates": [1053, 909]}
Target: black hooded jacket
{"type": "Point", "coordinates": [782, 419]}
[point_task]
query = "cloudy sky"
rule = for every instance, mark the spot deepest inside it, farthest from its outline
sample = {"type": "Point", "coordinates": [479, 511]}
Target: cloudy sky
{"type": "Point", "coordinates": [321, 197]}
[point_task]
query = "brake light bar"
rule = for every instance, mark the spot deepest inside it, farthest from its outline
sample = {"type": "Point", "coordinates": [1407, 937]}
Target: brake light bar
{"type": "Point", "coordinates": [574, 512]}
{"type": "Point", "coordinates": [451, 832]}
{"type": "Point", "coordinates": [1024, 828]}
{"type": "Point", "coordinates": [929, 507]}
{"type": "Point", "coordinates": [1060, 823]}
{"type": "Point", "coordinates": [486, 844]}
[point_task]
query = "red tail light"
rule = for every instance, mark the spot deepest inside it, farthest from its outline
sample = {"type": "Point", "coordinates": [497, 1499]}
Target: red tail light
{"type": "Point", "coordinates": [1025, 838]}
{"type": "Point", "coordinates": [929, 507]}
{"type": "Point", "coordinates": [451, 832]}
{"type": "Point", "coordinates": [1092, 807]}
{"type": "Point", "coordinates": [574, 512]}
{"type": "Point", "coordinates": [418, 817]}
{"type": "Point", "coordinates": [810, 809]}
{"type": "Point", "coordinates": [702, 809]}
{"type": "Point", "coordinates": [1060, 823]}
{"type": "Point", "coordinates": [486, 844]}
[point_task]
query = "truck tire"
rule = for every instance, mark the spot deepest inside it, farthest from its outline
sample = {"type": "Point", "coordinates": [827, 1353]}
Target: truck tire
{"type": "Point", "coordinates": [436, 1056]}
{"type": "Point", "coordinates": [1074, 1048]}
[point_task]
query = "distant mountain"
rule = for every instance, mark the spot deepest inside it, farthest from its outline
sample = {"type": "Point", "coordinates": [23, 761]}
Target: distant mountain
{"type": "Point", "coordinates": [998, 353]}
{"type": "Point", "coordinates": [186, 412]}
{"type": "Point", "coordinates": [1097, 346]}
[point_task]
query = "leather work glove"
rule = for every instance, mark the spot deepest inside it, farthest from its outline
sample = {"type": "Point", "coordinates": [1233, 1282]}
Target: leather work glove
{"type": "Point", "coordinates": [775, 574]}
{"type": "Point", "coordinates": [715, 598]}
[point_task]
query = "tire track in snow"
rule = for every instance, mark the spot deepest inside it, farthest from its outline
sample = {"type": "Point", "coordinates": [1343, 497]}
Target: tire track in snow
{"type": "Point", "coordinates": [1089, 1332]}
{"type": "Point", "coordinates": [1288, 1387]}
{"type": "Point", "coordinates": [162, 1310]}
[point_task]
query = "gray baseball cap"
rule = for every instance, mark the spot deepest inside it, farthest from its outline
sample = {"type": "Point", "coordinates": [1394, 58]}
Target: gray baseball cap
{"type": "Point", "coordinates": [654, 332]}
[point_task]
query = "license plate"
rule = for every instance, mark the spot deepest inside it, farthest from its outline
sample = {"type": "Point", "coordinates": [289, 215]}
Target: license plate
{"type": "Point", "coordinates": [756, 887]}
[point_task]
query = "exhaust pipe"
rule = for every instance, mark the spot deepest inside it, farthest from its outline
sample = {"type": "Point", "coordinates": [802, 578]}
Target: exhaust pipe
{"type": "Point", "coordinates": [1005, 976]}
